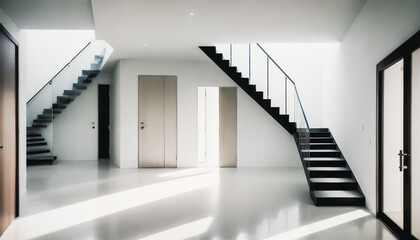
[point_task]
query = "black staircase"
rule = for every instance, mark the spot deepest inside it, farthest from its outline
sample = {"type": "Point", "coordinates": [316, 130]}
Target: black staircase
{"type": "Point", "coordinates": [250, 89]}
{"type": "Point", "coordinates": [330, 179]}
{"type": "Point", "coordinates": [38, 152]}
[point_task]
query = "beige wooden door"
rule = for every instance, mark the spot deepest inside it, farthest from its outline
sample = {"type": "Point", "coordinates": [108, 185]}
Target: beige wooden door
{"type": "Point", "coordinates": [8, 136]}
{"type": "Point", "coordinates": [152, 121]}
{"type": "Point", "coordinates": [170, 121]}
{"type": "Point", "coordinates": [227, 127]}
{"type": "Point", "coordinates": [157, 121]}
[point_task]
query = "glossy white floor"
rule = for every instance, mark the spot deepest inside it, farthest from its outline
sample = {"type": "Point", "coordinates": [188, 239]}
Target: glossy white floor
{"type": "Point", "coordinates": [96, 200]}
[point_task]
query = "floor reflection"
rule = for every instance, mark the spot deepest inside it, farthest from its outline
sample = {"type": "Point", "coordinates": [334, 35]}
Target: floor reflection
{"type": "Point", "coordinates": [105, 202]}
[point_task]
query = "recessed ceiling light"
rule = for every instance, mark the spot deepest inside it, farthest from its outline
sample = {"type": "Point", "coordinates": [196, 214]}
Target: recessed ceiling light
{"type": "Point", "coordinates": [313, 35]}
{"type": "Point", "coordinates": [192, 13]}
{"type": "Point", "coordinates": [144, 44]}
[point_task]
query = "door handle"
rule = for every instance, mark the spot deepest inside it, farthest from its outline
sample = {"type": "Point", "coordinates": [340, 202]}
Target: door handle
{"type": "Point", "coordinates": [142, 125]}
{"type": "Point", "coordinates": [402, 155]}
{"type": "Point", "coordinates": [1, 147]}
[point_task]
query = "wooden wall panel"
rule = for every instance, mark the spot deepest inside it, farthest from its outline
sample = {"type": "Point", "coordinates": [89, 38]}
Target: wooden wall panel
{"type": "Point", "coordinates": [171, 121]}
{"type": "Point", "coordinates": [227, 127]}
{"type": "Point", "coordinates": [8, 133]}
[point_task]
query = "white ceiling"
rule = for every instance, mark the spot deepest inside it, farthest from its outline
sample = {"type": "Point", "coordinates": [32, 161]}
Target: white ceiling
{"type": "Point", "coordinates": [50, 14]}
{"type": "Point", "coordinates": [171, 32]}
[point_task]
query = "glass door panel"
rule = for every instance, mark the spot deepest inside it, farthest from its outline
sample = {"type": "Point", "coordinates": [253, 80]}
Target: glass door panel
{"type": "Point", "coordinates": [415, 143]}
{"type": "Point", "coordinates": [393, 142]}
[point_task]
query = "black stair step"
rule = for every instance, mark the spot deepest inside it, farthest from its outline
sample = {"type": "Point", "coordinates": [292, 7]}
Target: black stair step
{"type": "Point", "coordinates": [332, 183]}
{"type": "Point", "coordinates": [323, 152]}
{"type": "Point", "coordinates": [337, 198]}
{"type": "Point", "coordinates": [72, 93]}
{"type": "Point", "coordinates": [39, 125]}
{"type": "Point", "coordinates": [322, 140]}
{"type": "Point", "coordinates": [95, 66]}
{"type": "Point", "coordinates": [264, 103]}
{"type": "Point", "coordinates": [282, 118]}
{"type": "Point", "coordinates": [320, 134]}
{"type": "Point", "coordinates": [51, 111]}
{"type": "Point", "coordinates": [59, 106]}
{"type": "Point", "coordinates": [251, 87]}
{"type": "Point", "coordinates": [33, 134]}
{"type": "Point", "coordinates": [34, 144]}
{"type": "Point", "coordinates": [259, 94]}
{"type": "Point", "coordinates": [64, 99]}
{"type": "Point", "coordinates": [291, 127]}
{"type": "Point", "coordinates": [324, 162]}
{"type": "Point", "coordinates": [84, 79]}
{"type": "Point", "coordinates": [219, 56]}
{"type": "Point", "coordinates": [37, 151]}
{"type": "Point", "coordinates": [323, 146]}
{"type": "Point", "coordinates": [319, 130]}
{"type": "Point", "coordinates": [99, 57]}
{"type": "Point", "coordinates": [274, 111]}
{"type": "Point", "coordinates": [34, 139]}
{"type": "Point", "coordinates": [42, 120]}
{"type": "Point", "coordinates": [90, 72]}
{"type": "Point", "coordinates": [45, 116]}
{"type": "Point", "coordinates": [40, 160]}
{"type": "Point", "coordinates": [328, 172]}
{"type": "Point", "coordinates": [79, 86]}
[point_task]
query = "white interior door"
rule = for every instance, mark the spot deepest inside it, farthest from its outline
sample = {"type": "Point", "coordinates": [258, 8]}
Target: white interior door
{"type": "Point", "coordinates": [208, 126]}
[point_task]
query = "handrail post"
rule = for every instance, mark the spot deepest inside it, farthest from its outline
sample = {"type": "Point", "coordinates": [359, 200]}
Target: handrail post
{"type": "Point", "coordinates": [268, 78]}
{"type": "Point", "coordinates": [230, 54]}
{"type": "Point", "coordinates": [249, 63]}
{"type": "Point", "coordinates": [285, 94]}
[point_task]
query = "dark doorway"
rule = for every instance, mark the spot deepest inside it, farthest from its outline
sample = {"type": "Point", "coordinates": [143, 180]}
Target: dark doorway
{"type": "Point", "coordinates": [9, 177]}
{"type": "Point", "coordinates": [103, 121]}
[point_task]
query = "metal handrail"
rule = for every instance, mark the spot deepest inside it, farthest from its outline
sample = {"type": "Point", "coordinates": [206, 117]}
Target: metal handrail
{"type": "Point", "coordinates": [287, 76]}
{"type": "Point", "coordinates": [50, 81]}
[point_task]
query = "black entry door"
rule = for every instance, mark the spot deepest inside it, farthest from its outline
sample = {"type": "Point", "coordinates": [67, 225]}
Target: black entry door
{"type": "Point", "coordinates": [103, 121]}
{"type": "Point", "coordinates": [398, 149]}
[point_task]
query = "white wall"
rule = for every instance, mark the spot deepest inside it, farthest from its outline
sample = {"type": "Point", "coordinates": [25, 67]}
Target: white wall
{"type": "Point", "coordinates": [350, 90]}
{"type": "Point", "coordinates": [15, 32]}
{"type": "Point", "coordinates": [305, 63]}
{"type": "Point", "coordinates": [57, 48]}
{"type": "Point", "coordinates": [115, 116]}
{"type": "Point", "coordinates": [261, 140]}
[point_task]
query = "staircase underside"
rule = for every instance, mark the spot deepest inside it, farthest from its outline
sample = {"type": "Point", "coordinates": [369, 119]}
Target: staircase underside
{"type": "Point", "coordinates": [38, 152]}
{"type": "Point", "coordinates": [330, 179]}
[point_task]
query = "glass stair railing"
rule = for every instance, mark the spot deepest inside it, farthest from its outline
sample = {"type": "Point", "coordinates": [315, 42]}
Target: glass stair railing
{"type": "Point", "coordinates": [53, 98]}
{"type": "Point", "coordinates": [260, 69]}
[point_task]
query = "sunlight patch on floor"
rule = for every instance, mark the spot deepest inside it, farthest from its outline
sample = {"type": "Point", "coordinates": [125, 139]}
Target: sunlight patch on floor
{"type": "Point", "coordinates": [184, 231]}
{"type": "Point", "coordinates": [71, 215]}
{"type": "Point", "coordinates": [186, 172]}
{"type": "Point", "coordinates": [320, 225]}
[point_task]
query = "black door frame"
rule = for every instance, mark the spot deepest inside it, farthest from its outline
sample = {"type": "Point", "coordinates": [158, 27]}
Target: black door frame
{"type": "Point", "coordinates": [404, 52]}
{"type": "Point", "coordinates": [102, 89]}
{"type": "Point", "coordinates": [13, 40]}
